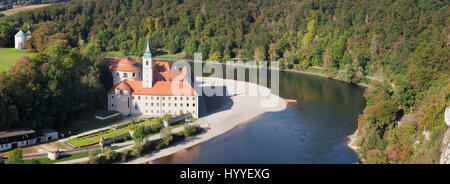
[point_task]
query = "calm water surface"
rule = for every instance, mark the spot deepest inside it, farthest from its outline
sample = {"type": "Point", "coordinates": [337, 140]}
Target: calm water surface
{"type": "Point", "coordinates": [314, 130]}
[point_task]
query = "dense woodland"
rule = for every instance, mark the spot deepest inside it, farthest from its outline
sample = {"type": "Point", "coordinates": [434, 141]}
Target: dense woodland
{"type": "Point", "coordinates": [403, 42]}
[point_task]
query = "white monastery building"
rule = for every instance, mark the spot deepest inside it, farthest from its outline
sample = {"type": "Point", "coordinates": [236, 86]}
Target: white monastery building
{"type": "Point", "coordinates": [20, 38]}
{"type": "Point", "coordinates": [152, 89]}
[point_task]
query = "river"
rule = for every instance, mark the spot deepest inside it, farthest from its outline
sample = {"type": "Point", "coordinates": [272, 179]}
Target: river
{"type": "Point", "coordinates": [313, 131]}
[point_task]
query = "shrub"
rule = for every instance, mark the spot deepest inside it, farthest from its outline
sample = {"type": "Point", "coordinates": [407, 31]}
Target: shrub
{"type": "Point", "coordinates": [190, 130]}
{"type": "Point", "coordinates": [166, 135]}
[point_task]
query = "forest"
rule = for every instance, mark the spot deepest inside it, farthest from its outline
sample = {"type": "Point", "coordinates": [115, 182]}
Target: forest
{"type": "Point", "coordinates": [403, 42]}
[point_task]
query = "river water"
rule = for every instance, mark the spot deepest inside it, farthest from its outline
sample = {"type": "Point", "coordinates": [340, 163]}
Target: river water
{"type": "Point", "coordinates": [313, 131]}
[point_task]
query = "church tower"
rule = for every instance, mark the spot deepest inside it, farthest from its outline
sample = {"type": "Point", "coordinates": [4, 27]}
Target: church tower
{"type": "Point", "coordinates": [147, 62]}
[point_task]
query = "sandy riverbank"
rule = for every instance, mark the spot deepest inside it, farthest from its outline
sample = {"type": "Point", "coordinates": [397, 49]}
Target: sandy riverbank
{"type": "Point", "coordinates": [240, 108]}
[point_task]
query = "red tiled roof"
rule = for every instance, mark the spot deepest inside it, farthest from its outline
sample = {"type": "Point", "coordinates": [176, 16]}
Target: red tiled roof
{"type": "Point", "coordinates": [158, 88]}
{"type": "Point", "coordinates": [123, 64]}
{"type": "Point", "coordinates": [162, 66]}
{"type": "Point", "coordinates": [162, 84]}
{"type": "Point", "coordinates": [123, 85]}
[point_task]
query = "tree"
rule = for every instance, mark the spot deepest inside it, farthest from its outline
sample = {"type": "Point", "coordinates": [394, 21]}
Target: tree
{"type": "Point", "coordinates": [215, 56]}
{"type": "Point", "coordinates": [93, 157]}
{"type": "Point", "coordinates": [166, 117]}
{"type": "Point", "coordinates": [273, 52]}
{"type": "Point", "coordinates": [138, 134]}
{"type": "Point", "coordinates": [109, 154]}
{"type": "Point", "coordinates": [174, 45]}
{"type": "Point", "coordinates": [166, 135]}
{"type": "Point", "coordinates": [192, 46]}
{"type": "Point", "coordinates": [15, 156]}
{"type": "Point", "coordinates": [260, 54]}
{"type": "Point", "coordinates": [103, 38]}
{"type": "Point", "coordinates": [190, 130]}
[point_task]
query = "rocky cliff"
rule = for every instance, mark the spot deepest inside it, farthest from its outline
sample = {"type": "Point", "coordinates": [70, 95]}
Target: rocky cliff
{"type": "Point", "coordinates": [445, 156]}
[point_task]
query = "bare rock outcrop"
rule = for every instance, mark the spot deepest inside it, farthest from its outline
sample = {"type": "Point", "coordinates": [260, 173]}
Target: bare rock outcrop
{"type": "Point", "coordinates": [445, 155]}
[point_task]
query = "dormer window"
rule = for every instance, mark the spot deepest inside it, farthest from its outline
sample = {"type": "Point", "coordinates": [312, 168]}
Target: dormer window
{"type": "Point", "coordinates": [121, 92]}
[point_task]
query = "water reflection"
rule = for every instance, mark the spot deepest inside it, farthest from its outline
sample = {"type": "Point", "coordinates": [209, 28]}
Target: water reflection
{"type": "Point", "coordinates": [313, 131]}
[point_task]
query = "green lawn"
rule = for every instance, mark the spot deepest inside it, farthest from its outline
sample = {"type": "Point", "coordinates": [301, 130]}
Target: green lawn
{"type": "Point", "coordinates": [170, 56]}
{"type": "Point", "coordinates": [90, 124]}
{"type": "Point", "coordinates": [46, 160]}
{"type": "Point", "coordinates": [121, 129]}
{"type": "Point", "coordinates": [9, 57]}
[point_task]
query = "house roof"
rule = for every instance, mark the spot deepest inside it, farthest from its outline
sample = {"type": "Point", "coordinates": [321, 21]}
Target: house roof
{"type": "Point", "coordinates": [46, 132]}
{"type": "Point", "coordinates": [5, 134]}
{"type": "Point", "coordinates": [123, 86]}
{"type": "Point", "coordinates": [123, 64]}
{"type": "Point", "coordinates": [162, 66]}
{"type": "Point", "coordinates": [21, 33]}
{"type": "Point", "coordinates": [163, 88]}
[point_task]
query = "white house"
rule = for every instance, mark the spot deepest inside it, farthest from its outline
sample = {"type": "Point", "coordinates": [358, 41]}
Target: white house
{"type": "Point", "coordinates": [20, 38]}
{"type": "Point", "coordinates": [140, 90]}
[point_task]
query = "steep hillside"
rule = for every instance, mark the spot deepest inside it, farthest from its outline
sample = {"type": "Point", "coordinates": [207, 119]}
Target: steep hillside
{"type": "Point", "coordinates": [404, 42]}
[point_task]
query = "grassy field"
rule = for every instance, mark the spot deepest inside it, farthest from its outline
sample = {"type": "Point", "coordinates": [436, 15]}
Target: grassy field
{"type": "Point", "coordinates": [9, 57]}
{"type": "Point", "coordinates": [17, 9]}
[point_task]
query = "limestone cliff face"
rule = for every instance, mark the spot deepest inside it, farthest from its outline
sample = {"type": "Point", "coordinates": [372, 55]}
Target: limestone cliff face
{"type": "Point", "coordinates": [445, 156]}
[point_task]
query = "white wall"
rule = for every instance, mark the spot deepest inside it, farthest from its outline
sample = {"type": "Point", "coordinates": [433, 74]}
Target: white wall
{"type": "Point", "coordinates": [120, 76]}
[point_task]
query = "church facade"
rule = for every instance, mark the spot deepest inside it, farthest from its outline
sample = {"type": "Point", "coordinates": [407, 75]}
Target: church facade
{"type": "Point", "coordinates": [152, 89]}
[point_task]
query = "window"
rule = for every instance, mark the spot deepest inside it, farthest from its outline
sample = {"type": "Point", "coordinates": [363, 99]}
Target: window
{"type": "Point", "coordinates": [181, 104]}
{"type": "Point", "coordinates": [117, 74]}
{"type": "Point", "coordinates": [169, 97]}
{"type": "Point", "coordinates": [187, 105]}
{"type": "Point", "coordinates": [175, 98]}
{"type": "Point", "coordinates": [136, 106]}
{"type": "Point", "coordinates": [112, 105]}
{"type": "Point", "coordinates": [193, 105]}
{"type": "Point", "coordinates": [181, 98]}
{"type": "Point", "coordinates": [112, 97]}
{"type": "Point", "coordinates": [175, 104]}
{"type": "Point", "coordinates": [163, 98]}
{"type": "Point", "coordinates": [146, 104]}
{"type": "Point", "coordinates": [134, 74]}
{"type": "Point", "coordinates": [121, 92]}
{"type": "Point", "coordinates": [125, 75]}
{"type": "Point", "coordinates": [163, 104]}
{"type": "Point", "coordinates": [139, 97]}
{"type": "Point", "coordinates": [146, 63]}
{"type": "Point", "coordinates": [152, 104]}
